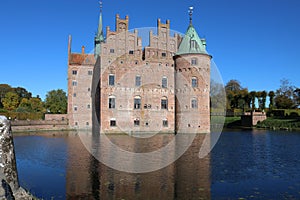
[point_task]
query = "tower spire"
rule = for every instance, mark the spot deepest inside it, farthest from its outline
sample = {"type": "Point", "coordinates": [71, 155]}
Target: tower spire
{"type": "Point", "coordinates": [191, 8]}
{"type": "Point", "coordinates": [99, 38]}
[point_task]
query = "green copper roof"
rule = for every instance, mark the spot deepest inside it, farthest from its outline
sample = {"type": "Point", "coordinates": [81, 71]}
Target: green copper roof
{"type": "Point", "coordinates": [99, 37]}
{"type": "Point", "coordinates": [191, 43]}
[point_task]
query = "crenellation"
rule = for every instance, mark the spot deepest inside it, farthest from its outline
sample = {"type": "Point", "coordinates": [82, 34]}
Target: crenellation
{"type": "Point", "coordinates": [140, 89]}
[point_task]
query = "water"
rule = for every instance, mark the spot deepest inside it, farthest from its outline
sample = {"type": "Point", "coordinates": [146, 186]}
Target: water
{"type": "Point", "coordinates": [243, 164]}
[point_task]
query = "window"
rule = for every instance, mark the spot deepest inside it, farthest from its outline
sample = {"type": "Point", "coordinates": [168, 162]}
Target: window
{"type": "Point", "coordinates": [87, 123]}
{"type": "Point", "coordinates": [74, 72]}
{"type": "Point", "coordinates": [88, 106]}
{"type": "Point", "coordinates": [147, 123]}
{"type": "Point", "coordinates": [194, 103]}
{"type": "Point", "coordinates": [137, 102]}
{"type": "Point", "coordinates": [164, 82]}
{"type": "Point", "coordinates": [165, 123]}
{"type": "Point", "coordinates": [163, 54]}
{"type": "Point", "coordinates": [194, 44]}
{"type": "Point", "coordinates": [112, 51]}
{"type": "Point", "coordinates": [164, 103]}
{"type": "Point", "coordinates": [74, 83]}
{"type": "Point", "coordinates": [90, 72]}
{"type": "Point", "coordinates": [138, 81]}
{"type": "Point", "coordinates": [74, 95]}
{"type": "Point", "coordinates": [131, 52]}
{"type": "Point", "coordinates": [75, 108]}
{"type": "Point", "coordinates": [111, 102]}
{"type": "Point", "coordinates": [76, 123]}
{"type": "Point", "coordinates": [194, 82]}
{"type": "Point", "coordinates": [111, 80]}
{"type": "Point", "coordinates": [194, 61]}
{"type": "Point", "coordinates": [113, 123]}
{"type": "Point", "coordinates": [89, 89]}
{"type": "Point", "coordinates": [136, 122]}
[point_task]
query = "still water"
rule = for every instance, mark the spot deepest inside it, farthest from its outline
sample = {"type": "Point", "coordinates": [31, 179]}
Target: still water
{"type": "Point", "coordinates": [243, 164]}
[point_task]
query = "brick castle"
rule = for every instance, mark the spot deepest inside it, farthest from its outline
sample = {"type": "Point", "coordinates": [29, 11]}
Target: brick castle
{"type": "Point", "coordinates": [125, 87]}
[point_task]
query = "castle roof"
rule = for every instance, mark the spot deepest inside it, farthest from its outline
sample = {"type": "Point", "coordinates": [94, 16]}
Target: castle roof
{"type": "Point", "coordinates": [192, 43]}
{"type": "Point", "coordinates": [81, 59]}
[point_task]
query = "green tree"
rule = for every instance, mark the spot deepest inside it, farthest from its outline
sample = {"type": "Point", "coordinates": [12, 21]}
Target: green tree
{"type": "Point", "coordinates": [10, 101]}
{"type": "Point", "coordinates": [284, 95]}
{"type": "Point", "coordinates": [253, 97]}
{"type": "Point", "coordinates": [262, 98]}
{"type": "Point", "coordinates": [36, 104]}
{"type": "Point", "coordinates": [271, 96]}
{"type": "Point", "coordinates": [56, 101]}
{"type": "Point", "coordinates": [4, 88]}
{"type": "Point", "coordinates": [232, 89]}
{"type": "Point", "coordinates": [297, 96]}
{"type": "Point", "coordinates": [24, 106]}
{"type": "Point", "coordinates": [22, 92]}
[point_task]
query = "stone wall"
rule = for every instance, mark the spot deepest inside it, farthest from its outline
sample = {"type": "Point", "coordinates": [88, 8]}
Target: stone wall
{"type": "Point", "coordinates": [251, 119]}
{"type": "Point", "coordinates": [9, 188]}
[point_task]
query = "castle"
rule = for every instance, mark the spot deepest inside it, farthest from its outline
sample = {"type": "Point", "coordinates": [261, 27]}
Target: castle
{"type": "Point", "coordinates": [125, 87]}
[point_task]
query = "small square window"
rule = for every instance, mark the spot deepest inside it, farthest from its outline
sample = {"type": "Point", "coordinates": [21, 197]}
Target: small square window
{"type": "Point", "coordinates": [113, 123]}
{"type": "Point", "coordinates": [90, 72]}
{"type": "Point", "coordinates": [74, 72]}
{"type": "Point", "coordinates": [165, 123]}
{"type": "Point", "coordinates": [136, 122]}
{"type": "Point", "coordinates": [76, 123]}
{"type": "Point", "coordinates": [88, 106]}
{"type": "Point", "coordinates": [131, 52]}
{"type": "Point", "coordinates": [75, 108]}
{"type": "Point", "coordinates": [74, 95]}
{"type": "Point", "coordinates": [74, 83]}
{"type": "Point", "coordinates": [194, 61]}
{"type": "Point", "coordinates": [163, 54]}
{"type": "Point", "coordinates": [112, 51]}
{"type": "Point", "coordinates": [87, 123]}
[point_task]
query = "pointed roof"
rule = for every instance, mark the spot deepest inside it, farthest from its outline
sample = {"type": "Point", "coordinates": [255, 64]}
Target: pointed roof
{"type": "Point", "coordinates": [100, 27]}
{"type": "Point", "coordinates": [192, 43]}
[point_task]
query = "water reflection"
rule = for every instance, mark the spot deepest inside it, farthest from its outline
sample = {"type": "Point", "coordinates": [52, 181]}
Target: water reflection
{"type": "Point", "coordinates": [187, 178]}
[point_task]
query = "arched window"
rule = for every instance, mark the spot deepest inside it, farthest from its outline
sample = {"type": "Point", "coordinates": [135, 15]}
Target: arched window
{"type": "Point", "coordinates": [137, 102]}
{"type": "Point", "coordinates": [194, 82]}
{"type": "Point", "coordinates": [194, 103]}
{"type": "Point", "coordinates": [111, 102]}
{"type": "Point", "coordinates": [164, 103]}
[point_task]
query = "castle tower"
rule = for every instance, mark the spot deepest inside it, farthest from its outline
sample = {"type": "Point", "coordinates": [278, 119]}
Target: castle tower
{"type": "Point", "coordinates": [192, 81]}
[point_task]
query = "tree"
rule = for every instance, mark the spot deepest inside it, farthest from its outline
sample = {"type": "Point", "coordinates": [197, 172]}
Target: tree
{"type": "Point", "coordinates": [284, 95]}
{"type": "Point", "coordinates": [56, 101]}
{"type": "Point", "coordinates": [232, 89]}
{"type": "Point", "coordinates": [4, 88]}
{"type": "Point", "coordinates": [271, 96]}
{"type": "Point", "coordinates": [262, 98]}
{"type": "Point", "coordinates": [22, 92]}
{"type": "Point", "coordinates": [10, 101]}
{"type": "Point", "coordinates": [297, 96]}
{"type": "Point", "coordinates": [36, 104]}
{"type": "Point", "coordinates": [253, 97]}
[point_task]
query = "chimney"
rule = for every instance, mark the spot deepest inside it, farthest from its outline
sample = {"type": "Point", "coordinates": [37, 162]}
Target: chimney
{"type": "Point", "coordinates": [82, 50]}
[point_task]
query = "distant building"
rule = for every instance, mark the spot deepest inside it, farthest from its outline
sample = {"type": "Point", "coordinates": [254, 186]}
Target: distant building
{"type": "Point", "coordinates": [161, 87]}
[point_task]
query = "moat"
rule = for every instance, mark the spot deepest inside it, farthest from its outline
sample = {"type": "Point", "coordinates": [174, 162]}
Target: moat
{"type": "Point", "coordinates": [243, 164]}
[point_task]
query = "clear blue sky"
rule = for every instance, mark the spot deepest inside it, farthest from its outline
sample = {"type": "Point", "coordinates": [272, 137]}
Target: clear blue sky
{"type": "Point", "coordinates": [254, 41]}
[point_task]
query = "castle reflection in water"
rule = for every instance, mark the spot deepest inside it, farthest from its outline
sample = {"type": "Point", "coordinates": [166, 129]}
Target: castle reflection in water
{"type": "Point", "coordinates": [87, 178]}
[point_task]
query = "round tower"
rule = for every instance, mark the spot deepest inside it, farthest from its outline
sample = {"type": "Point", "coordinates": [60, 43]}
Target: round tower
{"type": "Point", "coordinates": [192, 82]}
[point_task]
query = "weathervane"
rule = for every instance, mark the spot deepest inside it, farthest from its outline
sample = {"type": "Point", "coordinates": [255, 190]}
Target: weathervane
{"type": "Point", "coordinates": [191, 13]}
{"type": "Point", "coordinates": [100, 2]}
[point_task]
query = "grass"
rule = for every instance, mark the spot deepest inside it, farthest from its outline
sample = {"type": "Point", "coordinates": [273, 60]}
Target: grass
{"type": "Point", "coordinates": [286, 123]}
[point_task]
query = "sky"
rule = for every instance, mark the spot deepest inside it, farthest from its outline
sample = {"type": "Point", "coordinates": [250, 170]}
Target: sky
{"type": "Point", "coordinates": [256, 42]}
